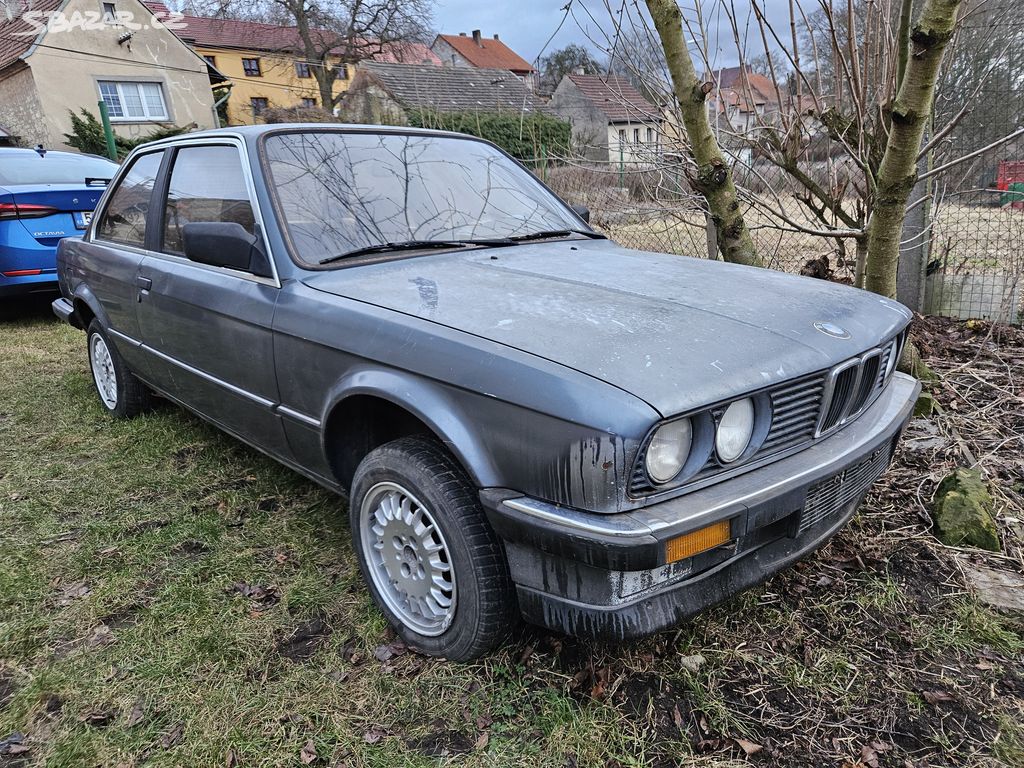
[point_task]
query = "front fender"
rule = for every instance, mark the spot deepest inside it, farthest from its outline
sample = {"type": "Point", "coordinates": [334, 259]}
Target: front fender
{"type": "Point", "coordinates": [428, 402]}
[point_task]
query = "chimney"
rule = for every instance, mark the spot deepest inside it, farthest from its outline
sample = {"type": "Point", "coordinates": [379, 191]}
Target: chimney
{"type": "Point", "coordinates": [462, 34]}
{"type": "Point", "coordinates": [578, 71]}
{"type": "Point", "coordinates": [476, 38]}
{"type": "Point", "coordinates": [495, 37]}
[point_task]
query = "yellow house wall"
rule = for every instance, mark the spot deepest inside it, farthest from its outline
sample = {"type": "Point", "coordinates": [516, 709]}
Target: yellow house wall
{"type": "Point", "coordinates": [278, 84]}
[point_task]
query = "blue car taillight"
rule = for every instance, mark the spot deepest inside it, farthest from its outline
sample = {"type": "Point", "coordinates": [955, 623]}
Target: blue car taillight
{"type": "Point", "coordinates": [25, 211]}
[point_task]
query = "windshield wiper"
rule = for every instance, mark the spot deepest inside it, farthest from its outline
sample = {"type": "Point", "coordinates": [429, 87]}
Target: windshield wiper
{"type": "Point", "coordinates": [557, 233]}
{"type": "Point", "coordinates": [404, 245]}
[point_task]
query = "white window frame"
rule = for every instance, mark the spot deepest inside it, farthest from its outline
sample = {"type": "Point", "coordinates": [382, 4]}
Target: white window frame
{"type": "Point", "coordinates": [148, 115]}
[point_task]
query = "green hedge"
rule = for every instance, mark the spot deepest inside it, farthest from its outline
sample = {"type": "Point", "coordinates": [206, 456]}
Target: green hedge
{"type": "Point", "coordinates": [87, 136]}
{"type": "Point", "coordinates": [528, 137]}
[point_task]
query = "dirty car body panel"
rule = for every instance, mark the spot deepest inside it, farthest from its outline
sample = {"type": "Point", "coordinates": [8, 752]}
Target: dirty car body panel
{"type": "Point", "coordinates": [546, 366]}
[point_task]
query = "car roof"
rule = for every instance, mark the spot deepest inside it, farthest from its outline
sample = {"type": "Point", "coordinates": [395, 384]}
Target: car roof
{"type": "Point", "coordinates": [253, 132]}
{"type": "Point", "coordinates": [23, 151]}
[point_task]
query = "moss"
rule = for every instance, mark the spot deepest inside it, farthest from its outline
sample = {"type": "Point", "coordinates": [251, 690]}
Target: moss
{"type": "Point", "coordinates": [926, 405]}
{"type": "Point", "coordinates": [963, 511]}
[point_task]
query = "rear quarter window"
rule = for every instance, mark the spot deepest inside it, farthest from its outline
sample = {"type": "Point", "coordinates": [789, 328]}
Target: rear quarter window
{"type": "Point", "coordinates": [124, 218]}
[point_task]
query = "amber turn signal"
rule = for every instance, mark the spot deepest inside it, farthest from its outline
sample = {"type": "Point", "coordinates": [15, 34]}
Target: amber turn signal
{"type": "Point", "coordinates": [695, 542]}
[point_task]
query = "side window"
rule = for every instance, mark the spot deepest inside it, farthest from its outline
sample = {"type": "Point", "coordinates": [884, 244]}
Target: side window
{"type": "Point", "coordinates": [124, 218]}
{"type": "Point", "coordinates": [207, 184]}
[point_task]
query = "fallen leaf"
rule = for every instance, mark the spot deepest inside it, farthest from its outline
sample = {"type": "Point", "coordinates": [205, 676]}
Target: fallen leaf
{"type": "Point", "coordinates": [173, 736]}
{"type": "Point", "coordinates": [375, 734]}
{"type": "Point", "coordinates": [677, 717]}
{"type": "Point", "coordinates": [98, 718]}
{"type": "Point", "coordinates": [934, 697]}
{"type": "Point", "coordinates": [100, 636]}
{"type": "Point", "coordinates": [72, 592]}
{"type": "Point", "coordinates": [481, 741]}
{"type": "Point", "coordinates": [749, 747]}
{"type": "Point", "coordinates": [308, 753]}
{"type": "Point", "coordinates": [868, 756]}
{"type": "Point", "coordinates": [484, 722]}
{"type": "Point", "coordinates": [232, 759]}
{"type": "Point", "coordinates": [136, 714]}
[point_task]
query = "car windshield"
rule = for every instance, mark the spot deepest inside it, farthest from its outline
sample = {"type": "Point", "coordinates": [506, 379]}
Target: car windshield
{"type": "Point", "coordinates": [341, 192]}
{"type": "Point", "coordinates": [53, 168]}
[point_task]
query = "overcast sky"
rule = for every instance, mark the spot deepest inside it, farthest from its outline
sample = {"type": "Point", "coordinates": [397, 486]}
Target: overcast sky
{"type": "Point", "coordinates": [526, 25]}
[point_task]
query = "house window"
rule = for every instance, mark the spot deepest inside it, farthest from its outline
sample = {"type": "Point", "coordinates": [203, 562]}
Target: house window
{"type": "Point", "coordinates": [109, 13]}
{"type": "Point", "coordinates": [302, 69]}
{"type": "Point", "coordinates": [134, 101]}
{"type": "Point", "coordinates": [211, 60]}
{"type": "Point", "coordinates": [307, 103]}
{"type": "Point", "coordinates": [622, 138]}
{"type": "Point", "coordinates": [259, 105]}
{"type": "Point", "coordinates": [251, 67]}
{"type": "Point", "coordinates": [650, 136]}
{"type": "Point", "coordinates": [342, 72]}
{"type": "Point", "coordinates": [636, 135]}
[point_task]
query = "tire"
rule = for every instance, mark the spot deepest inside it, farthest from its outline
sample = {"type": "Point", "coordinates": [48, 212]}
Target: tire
{"type": "Point", "coordinates": [438, 538]}
{"type": "Point", "coordinates": [120, 393]}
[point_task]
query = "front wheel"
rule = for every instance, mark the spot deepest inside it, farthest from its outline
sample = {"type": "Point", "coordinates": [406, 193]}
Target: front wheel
{"type": "Point", "coordinates": [121, 394]}
{"type": "Point", "coordinates": [433, 564]}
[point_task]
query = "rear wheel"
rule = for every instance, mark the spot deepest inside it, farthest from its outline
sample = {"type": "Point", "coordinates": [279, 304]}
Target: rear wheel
{"type": "Point", "coordinates": [432, 562]}
{"type": "Point", "coordinates": [121, 394]}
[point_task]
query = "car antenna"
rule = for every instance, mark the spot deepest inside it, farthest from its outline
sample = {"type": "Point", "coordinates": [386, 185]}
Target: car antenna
{"type": "Point", "coordinates": [40, 150]}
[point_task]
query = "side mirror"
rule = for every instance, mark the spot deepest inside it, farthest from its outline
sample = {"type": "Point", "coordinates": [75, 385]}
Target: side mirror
{"type": "Point", "coordinates": [225, 244]}
{"type": "Point", "coordinates": [582, 211]}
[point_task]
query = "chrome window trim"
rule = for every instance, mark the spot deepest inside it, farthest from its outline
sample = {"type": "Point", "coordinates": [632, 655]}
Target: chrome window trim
{"type": "Point", "coordinates": [234, 140]}
{"type": "Point", "coordinates": [91, 235]}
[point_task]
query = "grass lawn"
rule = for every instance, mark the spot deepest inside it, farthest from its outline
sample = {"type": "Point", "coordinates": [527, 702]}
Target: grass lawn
{"type": "Point", "coordinates": [169, 597]}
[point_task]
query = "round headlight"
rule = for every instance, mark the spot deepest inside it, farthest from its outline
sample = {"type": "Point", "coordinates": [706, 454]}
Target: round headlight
{"type": "Point", "coordinates": [668, 450]}
{"type": "Point", "coordinates": [734, 430]}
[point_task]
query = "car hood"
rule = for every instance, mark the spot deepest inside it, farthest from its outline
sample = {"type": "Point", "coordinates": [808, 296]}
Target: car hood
{"type": "Point", "coordinates": [674, 331]}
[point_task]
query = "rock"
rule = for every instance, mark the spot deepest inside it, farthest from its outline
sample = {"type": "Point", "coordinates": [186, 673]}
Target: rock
{"type": "Point", "coordinates": [963, 511]}
{"type": "Point", "coordinates": [926, 405]}
{"type": "Point", "coordinates": [1002, 590]}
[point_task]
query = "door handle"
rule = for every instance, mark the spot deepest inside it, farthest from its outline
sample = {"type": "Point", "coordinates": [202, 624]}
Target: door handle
{"type": "Point", "coordinates": [144, 284]}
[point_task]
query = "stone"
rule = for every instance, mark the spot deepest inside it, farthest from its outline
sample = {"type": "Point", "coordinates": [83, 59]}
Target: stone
{"type": "Point", "coordinates": [996, 588]}
{"type": "Point", "coordinates": [963, 511]}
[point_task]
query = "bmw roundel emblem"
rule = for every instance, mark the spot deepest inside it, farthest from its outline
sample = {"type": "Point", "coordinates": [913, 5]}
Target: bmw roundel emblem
{"type": "Point", "coordinates": [833, 330]}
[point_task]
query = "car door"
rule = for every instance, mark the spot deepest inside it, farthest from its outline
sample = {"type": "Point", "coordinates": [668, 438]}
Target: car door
{"type": "Point", "coordinates": [109, 260]}
{"type": "Point", "coordinates": [207, 329]}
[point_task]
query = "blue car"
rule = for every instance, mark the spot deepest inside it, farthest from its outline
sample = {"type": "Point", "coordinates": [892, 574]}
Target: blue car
{"type": "Point", "coordinates": [45, 196]}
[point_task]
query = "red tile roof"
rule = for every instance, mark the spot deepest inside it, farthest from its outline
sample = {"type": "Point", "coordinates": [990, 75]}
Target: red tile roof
{"type": "Point", "coordinates": [17, 35]}
{"type": "Point", "coordinates": [615, 97]}
{"type": "Point", "coordinates": [733, 82]}
{"type": "Point", "coordinates": [488, 53]}
{"type": "Point", "coordinates": [272, 38]}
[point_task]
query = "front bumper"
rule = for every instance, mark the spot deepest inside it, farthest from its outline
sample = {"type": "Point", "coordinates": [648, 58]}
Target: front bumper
{"type": "Point", "coordinates": [606, 575]}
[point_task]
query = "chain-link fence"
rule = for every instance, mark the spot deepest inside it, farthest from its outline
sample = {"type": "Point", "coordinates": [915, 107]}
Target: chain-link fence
{"type": "Point", "coordinates": [965, 225]}
{"type": "Point", "coordinates": [975, 257]}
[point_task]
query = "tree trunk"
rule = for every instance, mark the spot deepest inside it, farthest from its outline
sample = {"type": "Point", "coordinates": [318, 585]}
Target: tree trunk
{"type": "Point", "coordinates": [897, 173]}
{"type": "Point", "coordinates": [714, 177]}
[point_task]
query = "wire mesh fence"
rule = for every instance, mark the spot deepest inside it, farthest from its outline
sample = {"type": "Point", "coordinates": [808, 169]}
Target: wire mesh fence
{"type": "Point", "coordinates": [965, 230]}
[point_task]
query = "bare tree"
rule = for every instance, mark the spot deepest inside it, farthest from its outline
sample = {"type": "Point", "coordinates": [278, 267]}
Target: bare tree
{"type": "Point", "coordinates": [331, 34]}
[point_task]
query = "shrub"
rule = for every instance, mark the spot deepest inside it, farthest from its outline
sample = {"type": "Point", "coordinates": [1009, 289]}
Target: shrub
{"type": "Point", "coordinates": [87, 136]}
{"type": "Point", "coordinates": [297, 115]}
{"type": "Point", "coordinates": [526, 137]}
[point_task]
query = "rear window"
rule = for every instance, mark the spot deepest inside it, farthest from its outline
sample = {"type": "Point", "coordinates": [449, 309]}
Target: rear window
{"type": "Point", "coordinates": [55, 168]}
